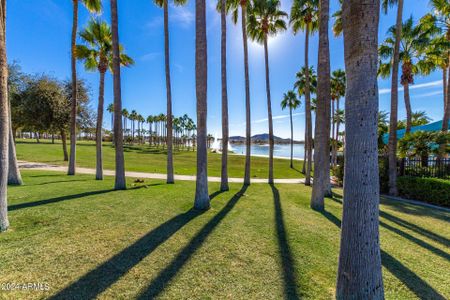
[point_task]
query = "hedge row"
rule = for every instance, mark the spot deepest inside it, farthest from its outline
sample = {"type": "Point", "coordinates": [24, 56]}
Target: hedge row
{"type": "Point", "coordinates": [430, 190]}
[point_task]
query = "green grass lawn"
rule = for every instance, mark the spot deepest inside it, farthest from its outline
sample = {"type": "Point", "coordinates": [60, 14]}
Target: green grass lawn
{"type": "Point", "coordinates": [87, 241]}
{"type": "Point", "coordinates": [143, 158]}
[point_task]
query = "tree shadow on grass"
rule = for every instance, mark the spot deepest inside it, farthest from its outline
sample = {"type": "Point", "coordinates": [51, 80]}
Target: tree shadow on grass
{"type": "Point", "coordinates": [416, 210]}
{"type": "Point", "coordinates": [436, 237]}
{"type": "Point", "coordinates": [289, 274]}
{"type": "Point", "coordinates": [92, 284]}
{"type": "Point", "coordinates": [62, 181]}
{"type": "Point", "coordinates": [417, 241]}
{"type": "Point", "coordinates": [429, 234]}
{"type": "Point", "coordinates": [164, 277]}
{"type": "Point", "coordinates": [414, 283]}
{"type": "Point", "coordinates": [55, 200]}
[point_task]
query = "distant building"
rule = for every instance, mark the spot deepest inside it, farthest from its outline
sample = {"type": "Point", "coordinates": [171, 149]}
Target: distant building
{"type": "Point", "coordinates": [435, 126]}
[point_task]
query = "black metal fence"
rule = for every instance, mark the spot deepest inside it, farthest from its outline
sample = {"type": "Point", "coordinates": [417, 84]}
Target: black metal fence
{"type": "Point", "coordinates": [426, 167]}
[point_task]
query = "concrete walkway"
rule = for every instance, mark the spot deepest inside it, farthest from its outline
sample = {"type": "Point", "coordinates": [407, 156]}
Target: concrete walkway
{"type": "Point", "coordinates": [47, 167]}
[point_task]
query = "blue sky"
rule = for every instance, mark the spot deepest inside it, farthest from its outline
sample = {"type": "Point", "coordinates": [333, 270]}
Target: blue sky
{"type": "Point", "coordinates": [39, 39]}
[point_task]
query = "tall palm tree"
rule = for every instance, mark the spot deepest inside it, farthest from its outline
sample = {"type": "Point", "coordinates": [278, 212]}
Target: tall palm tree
{"type": "Point", "coordinates": [265, 20]}
{"type": "Point", "coordinates": [14, 176]}
{"type": "Point", "coordinates": [150, 121]}
{"type": "Point", "coordinates": [133, 118]}
{"type": "Point", "coordinates": [201, 82]}
{"type": "Point", "coordinates": [120, 180]}
{"type": "Point", "coordinates": [234, 5]}
{"type": "Point", "coordinates": [321, 185]}
{"type": "Point", "coordinates": [440, 21]}
{"type": "Point", "coordinates": [4, 121]}
{"type": "Point", "coordinates": [125, 115]}
{"type": "Point", "coordinates": [305, 16]}
{"type": "Point", "coordinates": [165, 6]}
{"type": "Point", "coordinates": [413, 43]}
{"type": "Point", "coordinates": [337, 25]}
{"type": "Point", "coordinates": [359, 273]}
{"type": "Point", "coordinates": [92, 6]}
{"type": "Point", "coordinates": [337, 92]}
{"type": "Point", "coordinates": [225, 126]}
{"type": "Point", "coordinates": [97, 56]}
{"type": "Point", "coordinates": [290, 100]}
{"type": "Point", "coordinates": [110, 109]}
{"type": "Point", "coordinates": [141, 121]}
{"type": "Point", "coordinates": [392, 143]}
{"type": "Point", "coordinates": [300, 86]}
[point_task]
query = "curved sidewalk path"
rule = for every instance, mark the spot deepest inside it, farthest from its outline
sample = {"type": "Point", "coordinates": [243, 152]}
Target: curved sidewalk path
{"type": "Point", "coordinates": [47, 167]}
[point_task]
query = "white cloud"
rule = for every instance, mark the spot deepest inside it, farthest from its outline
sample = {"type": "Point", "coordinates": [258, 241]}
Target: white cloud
{"type": "Point", "coordinates": [150, 56]}
{"type": "Point", "coordinates": [414, 87]}
{"type": "Point", "coordinates": [179, 15]}
{"type": "Point", "coordinates": [435, 93]}
{"type": "Point", "coordinates": [154, 23]}
{"type": "Point", "coordinates": [277, 118]}
{"type": "Point", "coordinates": [182, 16]}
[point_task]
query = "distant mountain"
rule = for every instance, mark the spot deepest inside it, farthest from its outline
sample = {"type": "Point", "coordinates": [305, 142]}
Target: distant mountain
{"type": "Point", "coordinates": [234, 139]}
{"type": "Point", "coordinates": [260, 139]}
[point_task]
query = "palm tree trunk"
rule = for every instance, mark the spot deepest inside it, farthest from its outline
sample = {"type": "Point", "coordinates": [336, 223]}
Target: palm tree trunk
{"type": "Point", "coordinates": [120, 180]}
{"type": "Point", "coordinates": [269, 111]}
{"type": "Point", "coordinates": [225, 131]}
{"type": "Point", "coordinates": [64, 145]}
{"type": "Point", "coordinates": [444, 81]}
{"type": "Point", "coordinates": [248, 138]}
{"type": "Point", "coordinates": [201, 83]}
{"type": "Point", "coordinates": [98, 131]}
{"type": "Point", "coordinates": [308, 111]}
{"type": "Point", "coordinates": [170, 177]}
{"type": "Point", "coordinates": [322, 127]}
{"type": "Point", "coordinates": [407, 106]}
{"type": "Point", "coordinates": [305, 149]}
{"type": "Point", "coordinates": [447, 105]}
{"type": "Point", "coordinates": [359, 273]}
{"type": "Point", "coordinates": [337, 130]}
{"type": "Point", "coordinates": [333, 138]}
{"type": "Point", "coordinates": [73, 113]}
{"type": "Point", "coordinates": [4, 122]}
{"type": "Point", "coordinates": [14, 177]}
{"type": "Point", "coordinates": [392, 143]}
{"type": "Point", "coordinates": [292, 137]}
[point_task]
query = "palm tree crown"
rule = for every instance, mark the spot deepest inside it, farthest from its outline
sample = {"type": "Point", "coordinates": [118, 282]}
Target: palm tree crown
{"type": "Point", "coordinates": [414, 41]}
{"type": "Point", "coordinates": [93, 6]}
{"type": "Point", "coordinates": [338, 84]}
{"type": "Point", "coordinates": [304, 13]}
{"type": "Point", "coordinates": [265, 19]}
{"type": "Point", "coordinates": [290, 100]}
{"type": "Point", "coordinates": [160, 3]}
{"type": "Point", "coordinates": [97, 51]}
{"type": "Point", "coordinates": [300, 83]}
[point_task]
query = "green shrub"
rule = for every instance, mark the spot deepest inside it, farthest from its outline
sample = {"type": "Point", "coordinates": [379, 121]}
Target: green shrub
{"type": "Point", "coordinates": [430, 190]}
{"type": "Point", "coordinates": [383, 165]}
{"type": "Point", "coordinates": [338, 172]}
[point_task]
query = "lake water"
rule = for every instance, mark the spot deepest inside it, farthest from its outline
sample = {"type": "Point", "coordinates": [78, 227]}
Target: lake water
{"type": "Point", "coordinates": [279, 150]}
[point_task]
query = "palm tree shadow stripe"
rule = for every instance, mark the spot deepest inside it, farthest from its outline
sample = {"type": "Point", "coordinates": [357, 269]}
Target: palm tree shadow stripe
{"type": "Point", "coordinates": [288, 264]}
{"type": "Point", "coordinates": [431, 235]}
{"type": "Point", "coordinates": [413, 282]}
{"type": "Point", "coordinates": [98, 280]}
{"type": "Point", "coordinates": [165, 276]}
{"type": "Point", "coordinates": [55, 200]}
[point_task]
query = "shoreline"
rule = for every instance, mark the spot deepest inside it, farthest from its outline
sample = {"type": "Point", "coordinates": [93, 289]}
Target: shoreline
{"type": "Point", "coordinates": [267, 156]}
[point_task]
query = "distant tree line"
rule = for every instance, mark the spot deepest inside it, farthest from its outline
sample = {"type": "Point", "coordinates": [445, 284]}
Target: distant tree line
{"type": "Point", "coordinates": [40, 106]}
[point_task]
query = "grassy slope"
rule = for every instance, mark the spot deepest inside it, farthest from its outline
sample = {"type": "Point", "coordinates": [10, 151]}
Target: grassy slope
{"type": "Point", "coordinates": [146, 159]}
{"type": "Point", "coordinates": [75, 233]}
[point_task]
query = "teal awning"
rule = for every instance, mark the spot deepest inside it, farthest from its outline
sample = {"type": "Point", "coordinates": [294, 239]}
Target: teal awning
{"type": "Point", "coordinates": [435, 126]}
